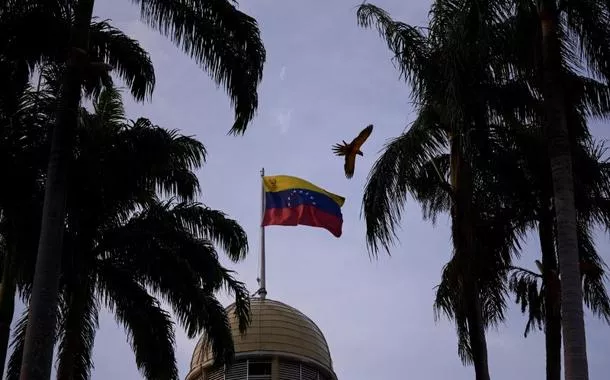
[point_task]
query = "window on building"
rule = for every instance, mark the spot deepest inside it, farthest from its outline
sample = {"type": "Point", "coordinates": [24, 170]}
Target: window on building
{"type": "Point", "coordinates": [308, 373]}
{"type": "Point", "coordinates": [292, 370]}
{"type": "Point", "coordinates": [259, 370]}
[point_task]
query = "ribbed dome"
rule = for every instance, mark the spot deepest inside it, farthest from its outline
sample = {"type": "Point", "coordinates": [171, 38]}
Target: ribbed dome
{"type": "Point", "coordinates": [276, 329]}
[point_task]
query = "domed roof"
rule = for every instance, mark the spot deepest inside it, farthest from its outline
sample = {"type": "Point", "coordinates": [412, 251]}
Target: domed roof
{"type": "Point", "coordinates": [276, 329]}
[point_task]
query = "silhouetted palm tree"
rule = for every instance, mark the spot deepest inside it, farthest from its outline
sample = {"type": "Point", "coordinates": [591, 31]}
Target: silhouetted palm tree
{"type": "Point", "coordinates": [451, 139]}
{"type": "Point", "coordinates": [124, 247]}
{"type": "Point", "coordinates": [226, 43]}
{"type": "Point", "coordinates": [27, 111]}
{"type": "Point", "coordinates": [565, 34]}
{"type": "Point", "coordinates": [520, 58]}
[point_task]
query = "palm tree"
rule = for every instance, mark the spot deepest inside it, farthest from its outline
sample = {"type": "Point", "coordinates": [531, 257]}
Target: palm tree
{"type": "Point", "coordinates": [451, 80]}
{"type": "Point", "coordinates": [547, 40]}
{"type": "Point", "coordinates": [25, 111]}
{"type": "Point", "coordinates": [567, 32]}
{"type": "Point", "coordinates": [225, 41]}
{"type": "Point", "coordinates": [542, 300]}
{"type": "Point", "coordinates": [124, 247]}
{"type": "Point", "coordinates": [520, 55]}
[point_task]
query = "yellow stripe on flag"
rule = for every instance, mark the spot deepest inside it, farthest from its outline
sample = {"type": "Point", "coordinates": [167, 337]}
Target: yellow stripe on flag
{"type": "Point", "coordinates": [285, 182]}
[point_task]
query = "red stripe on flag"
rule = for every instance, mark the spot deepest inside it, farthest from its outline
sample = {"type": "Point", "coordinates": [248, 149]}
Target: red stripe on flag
{"type": "Point", "coordinates": [305, 215]}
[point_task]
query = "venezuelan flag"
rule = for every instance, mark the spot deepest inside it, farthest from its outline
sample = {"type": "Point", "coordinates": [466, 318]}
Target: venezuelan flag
{"type": "Point", "coordinates": [290, 201]}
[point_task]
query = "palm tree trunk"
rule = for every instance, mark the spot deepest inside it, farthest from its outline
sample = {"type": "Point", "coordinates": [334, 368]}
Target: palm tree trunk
{"type": "Point", "coordinates": [552, 323]}
{"type": "Point", "coordinates": [463, 222]}
{"type": "Point", "coordinates": [7, 303]}
{"type": "Point", "coordinates": [38, 350]}
{"type": "Point", "coordinates": [476, 333]}
{"type": "Point", "coordinates": [556, 130]}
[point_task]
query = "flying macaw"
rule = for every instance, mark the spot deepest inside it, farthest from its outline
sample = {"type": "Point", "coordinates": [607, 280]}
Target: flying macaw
{"type": "Point", "coordinates": [351, 150]}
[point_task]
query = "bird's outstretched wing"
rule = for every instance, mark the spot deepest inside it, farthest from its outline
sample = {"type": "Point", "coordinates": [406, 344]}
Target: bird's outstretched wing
{"type": "Point", "coordinates": [362, 136]}
{"type": "Point", "coordinates": [341, 149]}
{"type": "Point", "coordinates": [350, 165]}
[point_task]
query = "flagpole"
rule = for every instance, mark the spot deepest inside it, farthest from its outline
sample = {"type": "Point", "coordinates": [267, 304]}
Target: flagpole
{"type": "Point", "coordinates": [263, 289]}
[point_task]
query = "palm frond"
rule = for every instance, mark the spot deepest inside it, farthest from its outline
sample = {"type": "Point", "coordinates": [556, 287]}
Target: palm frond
{"type": "Point", "coordinates": [449, 301]}
{"type": "Point", "coordinates": [149, 327]}
{"type": "Point", "coordinates": [594, 277]}
{"type": "Point", "coordinates": [242, 300]}
{"type": "Point", "coordinates": [593, 176]}
{"type": "Point", "coordinates": [214, 225]}
{"type": "Point", "coordinates": [140, 158]}
{"type": "Point", "coordinates": [14, 363]}
{"type": "Point", "coordinates": [529, 291]}
{"type": "Point", "coordinates": [128, 59]}
{"type": "Point", "coordinates": [185, 268]}
{"type": "Point", "coordinates": [107, 45]}
{"type": "Point", "coordinates": [517, 39]}
{"type": "Point", "coordinates": [77, 333]}
{"type": "Point", "coordinates": [587, 21]}
{"type": "Point", "coordinates": [407, 43]}
{"type": "Point", "coordinates": [108, 106]}
{"type": "Point", "coordinates": [590, 94]}
{"type": "Point", "coordinates": [18, 341]}
{"type": "Point", "coordinates": [170, 158]}
{"type": "Point", "coordinates": [19, 43]}
{"type": "Point", "coordinates": [513, 102]}
{"type": "Point", "coordinates": [389, 181]}
{"type": "Point", "coordinates": [216, 324]}
{"type": "Point", "coordinates": [431, 189]}
{"type": "Point", "coordinates": [51, 75]}
{"type": "Point", "coordinates": [223, 40]}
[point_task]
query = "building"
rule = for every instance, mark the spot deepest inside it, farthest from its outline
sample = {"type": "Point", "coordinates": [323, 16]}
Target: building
{"type": "Point", "coordinates": [281, 344]}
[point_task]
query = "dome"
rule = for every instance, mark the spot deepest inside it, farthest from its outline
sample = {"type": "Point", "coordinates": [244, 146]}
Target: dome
{"type": "Point", "coordinates": [276, 329]}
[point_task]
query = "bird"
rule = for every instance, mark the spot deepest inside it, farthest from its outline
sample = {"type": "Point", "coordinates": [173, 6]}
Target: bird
{"type": "Point", "coordinates": [352, 149]}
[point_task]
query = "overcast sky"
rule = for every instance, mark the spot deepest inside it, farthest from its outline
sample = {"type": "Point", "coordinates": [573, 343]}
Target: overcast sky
{"type": "Point", "coordinates": [325, 79]}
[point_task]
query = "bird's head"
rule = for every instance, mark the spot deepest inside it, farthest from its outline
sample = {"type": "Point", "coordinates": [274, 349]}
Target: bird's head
{"type": "Point", "coordinates": [359, 152]}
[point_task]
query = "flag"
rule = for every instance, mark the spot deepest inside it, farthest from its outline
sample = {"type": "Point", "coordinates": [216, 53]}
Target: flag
{"type": "Point", "coordinates": [290, 201]}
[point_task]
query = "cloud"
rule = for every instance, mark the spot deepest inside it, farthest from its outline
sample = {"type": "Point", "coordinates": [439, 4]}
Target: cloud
{"type": "Point", "coordinates": [283, 73]}
{"type": "Point", "coordinates": [283, 118]}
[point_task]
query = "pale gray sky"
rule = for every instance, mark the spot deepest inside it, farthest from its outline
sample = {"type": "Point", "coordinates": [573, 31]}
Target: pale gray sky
{"type": "Point", "coordinates": [325, 79]}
